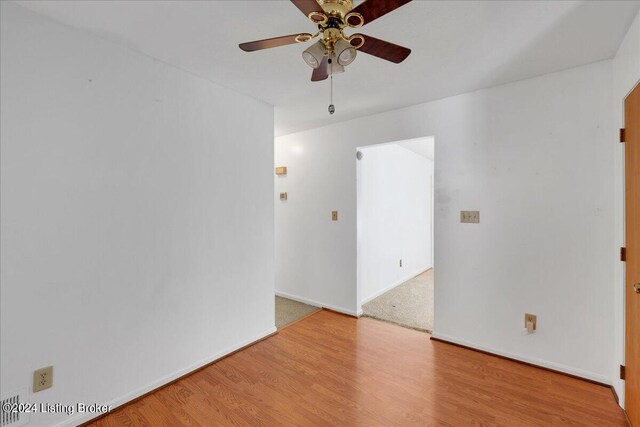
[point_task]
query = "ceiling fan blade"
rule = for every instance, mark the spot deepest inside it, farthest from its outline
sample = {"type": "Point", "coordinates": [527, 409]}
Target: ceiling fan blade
{"type": "Point", "coordinates": [374, 9]}
{"type": "Point", "coordinates": [385, 50]}
{"type": "Point", "coordinates": [272, 42]}
{"type": "Point", "coordinates": [307, 6]}
{"type": "Point", "coordinates": [322, 72]}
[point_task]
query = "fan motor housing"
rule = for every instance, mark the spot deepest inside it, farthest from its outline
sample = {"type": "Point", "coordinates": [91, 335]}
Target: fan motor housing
{"type": "Point", "coordinates": [336, 7]}
{"type": "Point", "coordinates": [332, 23]}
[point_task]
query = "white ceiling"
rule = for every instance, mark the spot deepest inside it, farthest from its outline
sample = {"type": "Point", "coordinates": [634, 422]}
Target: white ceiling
{"type": "Point", "coordinates": [456, 47]}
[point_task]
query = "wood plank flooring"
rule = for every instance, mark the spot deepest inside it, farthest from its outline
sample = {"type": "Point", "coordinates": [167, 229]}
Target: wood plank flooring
{"type": "Point", "coordinates": [334, 370]}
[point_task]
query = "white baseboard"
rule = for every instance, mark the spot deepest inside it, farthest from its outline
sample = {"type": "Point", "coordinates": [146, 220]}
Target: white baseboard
{"type": "Point", "coordinates": [618, 386]}
{"type": "Point", "coordinates": [82, 418]}
{"type": "Point", "coordinates": [318, 304]}
{"type": "Point", "coordinates": [399, 282]}
{"type": "Point", "coordinates": [539, 362]}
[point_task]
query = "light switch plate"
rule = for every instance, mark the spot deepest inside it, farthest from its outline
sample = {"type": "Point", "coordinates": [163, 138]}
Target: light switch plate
{"type": "Point", "coordinates": [283, 196]}
{"type": "Point", "coordinates": [42, 379]}
{"type": "Point", "coordinates": [334, 215]}
{"type": "Point", "coordinates": [470, 217]}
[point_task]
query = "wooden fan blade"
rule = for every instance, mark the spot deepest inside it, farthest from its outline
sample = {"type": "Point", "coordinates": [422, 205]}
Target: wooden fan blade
{"type": "Point", "coordinates": [374, 9]}
{"type": "Point", "coordinates": [385, 50]}
{"type": "Point", "coordinates": [307, 6]}
{"type": "Point", "coordinates": [322, 72]}
{"type": "Point", "coordinates": [269, 43]}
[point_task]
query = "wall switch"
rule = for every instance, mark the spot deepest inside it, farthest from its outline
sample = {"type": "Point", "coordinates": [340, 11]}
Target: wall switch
{"type": "Point", "coordinates": [42, 379]}
{"type": "Point", "coordinates": [470, 217]}
{"type": "Point", "coordinates": [283, 196]}
{"type": "Point", "coordinates": [334, 215]}
{"type": "Point", "coordinates": [281, 170]}
{"type": "Point", "coordinates": [400, 263]}
{"type": "Point", "coordinates": [530, 322]}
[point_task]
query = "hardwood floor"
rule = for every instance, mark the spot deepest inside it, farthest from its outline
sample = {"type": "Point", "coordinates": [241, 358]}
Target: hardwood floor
{"type": "Point", "coordinates": [331, 369]}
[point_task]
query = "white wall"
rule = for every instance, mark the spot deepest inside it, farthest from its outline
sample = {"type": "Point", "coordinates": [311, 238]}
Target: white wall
{"type": "Point", "coordinates": [315, 256]}
{"type": "Point", "coordinates": [626, 74]}
{"type": "Point", "coordinates": [137, 216]}
{"type": "Point", "coordinates": [536, 158]}
{"type": "Point", "coordinates": [394, 217]}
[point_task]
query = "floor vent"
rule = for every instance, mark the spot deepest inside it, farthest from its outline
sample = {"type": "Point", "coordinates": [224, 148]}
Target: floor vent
{"type": "Point", "coordinates": [9, 417]}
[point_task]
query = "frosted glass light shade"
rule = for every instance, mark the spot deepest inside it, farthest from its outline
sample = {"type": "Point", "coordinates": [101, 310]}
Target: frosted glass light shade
{"type": "Point", "coordinates": [313, 54]}
{"type": "Point", "coordinates": [345, 52]}
{"type": "Point", "coordinates": [334, 67]}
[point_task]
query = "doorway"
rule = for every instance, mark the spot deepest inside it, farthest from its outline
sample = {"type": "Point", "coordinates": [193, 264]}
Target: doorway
{"type": "Point", "coordinates": [395, 183]}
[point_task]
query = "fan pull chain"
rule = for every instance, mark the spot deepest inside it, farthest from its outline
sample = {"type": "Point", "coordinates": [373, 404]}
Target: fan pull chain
{"type": "Point", "coordinates": [332, 108]}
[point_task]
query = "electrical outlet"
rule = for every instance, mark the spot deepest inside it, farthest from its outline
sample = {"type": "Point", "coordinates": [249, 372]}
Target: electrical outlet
{"type": "Point", "coordinates": [531, 318]}
{"type": "Point", "coordinates": [400, 263]}
{"type": "Point", "coordinates": [334, 215]}
{"type": "Point", "coordinates": [470, 217]}
{"type": "Point", "coordinates": [42, 379]}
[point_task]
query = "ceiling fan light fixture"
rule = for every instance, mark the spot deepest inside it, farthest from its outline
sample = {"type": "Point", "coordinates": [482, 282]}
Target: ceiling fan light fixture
{"type": "Point", "coordinates": [336, 49]}
{"type": "Point", "coordinates": [345, 53]}
{"type": "Point", "coordinates": [313, 54]}
{"type": "Point", "coordinates": [334, 66]}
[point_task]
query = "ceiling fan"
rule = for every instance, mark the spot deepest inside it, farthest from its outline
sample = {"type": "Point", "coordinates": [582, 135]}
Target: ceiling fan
{"type": "Point", "coordinates": [335, 49]}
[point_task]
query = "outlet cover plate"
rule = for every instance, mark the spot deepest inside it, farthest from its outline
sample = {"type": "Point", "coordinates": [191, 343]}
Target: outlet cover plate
{"type": "Point", "coordinates": [531, 318]}
{"type": "Point", "coordinates": [42, 379]}
{"type": "Point", "coordinates": [470, 217]}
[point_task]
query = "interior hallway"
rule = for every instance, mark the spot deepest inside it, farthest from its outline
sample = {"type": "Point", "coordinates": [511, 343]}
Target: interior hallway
{"type": "Point", "coordinates": [409, 304]}
{"type": "Point", "coordinates": [332, 369]}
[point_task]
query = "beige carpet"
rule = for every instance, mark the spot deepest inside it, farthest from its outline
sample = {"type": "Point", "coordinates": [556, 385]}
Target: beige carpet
{"type": "Point", "coordinates": [288, 311]}
{"type": "Point", "coordinates": [409, 304]}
